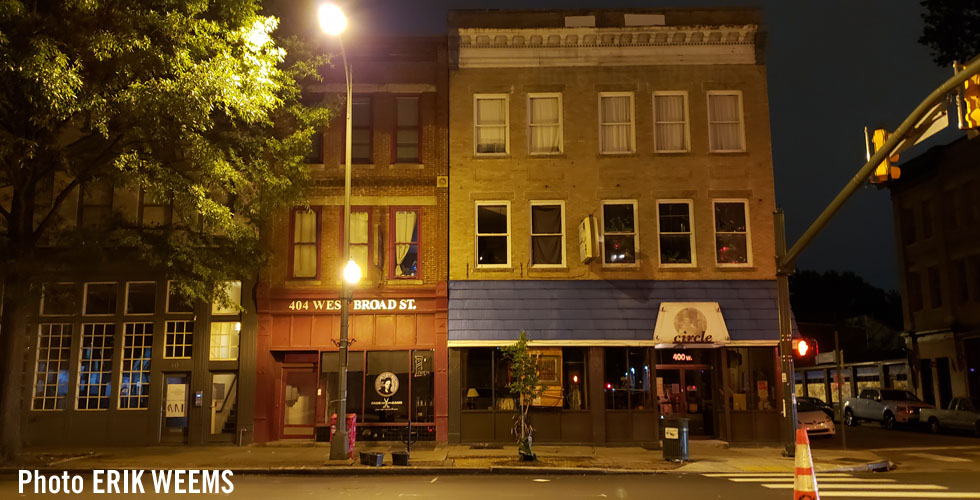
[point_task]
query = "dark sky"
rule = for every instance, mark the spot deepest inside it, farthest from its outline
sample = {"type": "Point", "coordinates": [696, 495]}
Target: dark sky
{"type": "Point", "coordinates": [834, 67]}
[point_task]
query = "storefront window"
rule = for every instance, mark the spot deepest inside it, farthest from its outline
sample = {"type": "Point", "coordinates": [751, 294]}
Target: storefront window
{"type": "Point", "coordinates": [843, 379]}
{"type": "Point", "coordinates": [898, 377]}
{"type": "Point", "coordinates": [329, 366]}
{"type": "Point", "coordinates": [751, 378]}
{"type": "Point", "coordinates": [386, 391]}
{"type": "Point", "coordinates": [477, 379]}
{"type": "Point", "coordinates": [815, 386]}
{"type": "Point", "coordinates": [627, 383]}
{"type": "Point", "coordinates": [423, 388]}
{"type": "Point", "coordinates": [867, 378]}
{"type": "Point", "coordinates": [799, 384]}
{"type": "Point", "coordinates": [574, 367]}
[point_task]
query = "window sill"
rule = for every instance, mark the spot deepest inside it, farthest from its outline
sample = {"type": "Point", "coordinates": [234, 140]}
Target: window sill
{"type": "Point", "coordinates": [301, 283]}
{"type": "Point", "coordinates": [671, 153]}
{"type": "Point", "coordinates": [354, 164]}
{"type": "Point", "coordinates": [493, 269]}
{"type": "Point", "coordinates": [399, 281]}
{"type": "Point", "coordinates": [489, 156]}
{"type": "Point", "coordinates": [678, 267]}
{"type": "Point", "coordinates": [547, 156]}
{"type": "Point", "coordinates": [732, 152]}
{"type": "Point", "coordinates": [620, 267]}
{"type": "Point", "coordinates": [735, 267]}
{"type": "Point", "coordinates": [627, 154]}
{"type": "Point", "coordinates": [406, 166]}
{"type": "Point", "coordinates": [548, 268]}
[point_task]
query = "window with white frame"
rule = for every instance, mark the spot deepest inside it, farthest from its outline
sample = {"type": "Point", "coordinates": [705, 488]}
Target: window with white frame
{"type": "Point", "coordinates": [675, 224]}
{"type": "Point", "coordinates": [360, 238]}
{"type": "Point", "coordinates": [100, 299]}
{"type": "Point", "coordinates": [179, 340]}
{"type": "Point", "coordinates": [58, 299]}
{"type": "Point", "coordinates": [616, 128]}
{"type": "Point", "coordinates": [51, 370]}
{"type": "Point", "coordinates": [725, 131]}
{"type": "Point", "coordinates": [224, 340]}
{"type": "Point", "coordinates": [619, 232]}
{"type": "Point", "coordinates": [95, 203]}
{"type": "Point", "coordinates": [134, 381]}
{"type": "Point", "coordinates": [155, 210]}
{"type": "Point", "coordinates": [547, 233]}
{"type": "Point", "coordinates": [493, 234]}
{"type": "Point", "coordinates": [544, 119]}
{"type": "Point", "coordinates": [305, 243]}
{"type": "Point", "coordinates": [141, 297]}
{"type": "Point", "coordinates": [95, 366]}
{"type": "Point", "coordinates": [405, 243]}
{"type": "Point", "coordinates": [177, 303]}
{"type": "Point", "coordinates": [732, 237]}
{"type": "Point", "coordinates": [361, 130]}
{"type": "Point", "coordinates": [491, 119]}
{"type": "Point", "coordinates": [670, 128]}
{"type": "Point", "coordinates": [233, 291]}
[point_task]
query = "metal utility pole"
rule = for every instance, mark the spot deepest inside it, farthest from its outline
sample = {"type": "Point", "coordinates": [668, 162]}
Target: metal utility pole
{"type": "Point", "coordinates": [786, 260]}
{"type": "Point", "coordinates": [840, 390]}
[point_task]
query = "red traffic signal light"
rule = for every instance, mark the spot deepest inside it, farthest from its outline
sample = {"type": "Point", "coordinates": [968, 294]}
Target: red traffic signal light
{"type": "Point", "coordinates": [804, 348]}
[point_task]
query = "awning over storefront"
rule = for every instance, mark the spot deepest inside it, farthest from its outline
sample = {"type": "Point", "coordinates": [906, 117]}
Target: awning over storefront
{"type": "Point", "coordinates": [602, 312]}
{"type": "Point", "coordinates": [692, 324]}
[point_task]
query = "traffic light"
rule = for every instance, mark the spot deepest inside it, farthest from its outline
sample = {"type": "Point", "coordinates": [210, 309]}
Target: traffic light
{"type": "Point", "coordinates": [886, 170]}
{"type": "Point", "coordinates": [968, 102]}
{"type": "Point", "coordinates": [804, 348]}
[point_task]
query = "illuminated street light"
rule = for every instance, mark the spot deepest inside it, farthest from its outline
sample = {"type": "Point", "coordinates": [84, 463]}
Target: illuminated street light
{"type": "Point", "coordinates": [332, 19]}
{"type": "Point", "coordinates": [352, 272]}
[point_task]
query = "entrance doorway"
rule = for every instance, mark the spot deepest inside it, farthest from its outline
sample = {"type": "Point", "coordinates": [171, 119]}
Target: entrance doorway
{"type": "Point", "coordinates": [298, 401]}
{"type": "Point", "coordinates": [685, 391]}
{"type": "Point", "coordinates": [224, 406]}
{"type": "Point", "coordinates": [176, 390]}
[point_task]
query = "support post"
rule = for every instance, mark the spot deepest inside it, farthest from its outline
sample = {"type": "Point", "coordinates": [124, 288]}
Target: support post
{"type": "Point", "coordinates": [840, 390]}
{"type": "Point", "coordinates": [788, 427]}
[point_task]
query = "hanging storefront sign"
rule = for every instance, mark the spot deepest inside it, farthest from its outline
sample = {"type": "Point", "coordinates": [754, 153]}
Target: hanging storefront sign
{"type": "Point", "coordinates": [690, 323]}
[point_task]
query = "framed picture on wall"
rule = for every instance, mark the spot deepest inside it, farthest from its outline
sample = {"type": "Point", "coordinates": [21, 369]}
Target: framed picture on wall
{"type": "Point", "coordinates": [549, 370]}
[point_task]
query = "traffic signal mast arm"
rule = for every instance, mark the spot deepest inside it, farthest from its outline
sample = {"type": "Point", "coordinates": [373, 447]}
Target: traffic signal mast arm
{"type": "Point", "coordinates": [785, 264]}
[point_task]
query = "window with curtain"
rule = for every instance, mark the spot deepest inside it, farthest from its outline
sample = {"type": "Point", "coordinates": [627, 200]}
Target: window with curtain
{"type": "Point", "coordinates": [544, 123]}
{"type": "Point", "coordinates": [304, 243]}
{"type": "Point", "coordinates": [407, 130]}
{"type": "Point", "coordinates": [676, 233]}
{"type": "Point", "coordinates": [731, 233]}
{"type": "Point", "coordinates": [547, 234]}
{"type": "Point", "coordinates": [616, 122]}
{"type": "Point", "coordinates": [361, 130]}
{"type": "Point", "coordinates": [493, 234]}
{"type": "Point", "coordinates": [725, 122]}
{"type": "Point", "coordinates": [360, 238]}
{"type": "Point", "coordinates": [405, 243]}
{"type": "Point", "coordinates": [490, 124]}
{"type": "Point", "coordinates": [619, 232]}
{"type": "Point", "coordinates": [670, 122]}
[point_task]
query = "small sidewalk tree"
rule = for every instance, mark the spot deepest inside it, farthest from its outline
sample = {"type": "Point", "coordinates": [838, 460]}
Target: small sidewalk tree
{"type": "Point", "coordinates": [524, 384]}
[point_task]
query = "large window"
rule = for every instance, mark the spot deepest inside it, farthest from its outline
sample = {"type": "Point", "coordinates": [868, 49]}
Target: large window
{"type": "Point", "coordinates": [493, 234]}
{"type": "Point", "coordinates": [51, 370]}
{"type": "Point", "coordinates": [616, 132]}
{"type": "Point", "coordinates": [627, 383]}
{"type": "Point", "coordinates": [95, 366]}
{"type": "Point", "coordinates": [405, 243]}
{"type": "Point", "coordinates": [406, 143]}
{"type": "Point", "coordinates": [547, 233]}
{"type": "Point", "coordinates": [619, 233]}
{"type": "Point", "coordinates": [752, 379]}
{"type": "Point", "coordinates": [134, 390]}
{"type": "Point", "coordinates": [486, 375]}
{"type": "Point", "coordinates": [100, 299]}
{"type": "Point", "coordinates": [224, 340]}
{"type": "Point", "coordinates": [305, 243]}
{"type": "Point", "coordinates": [725, 131]}
{"type": "Point", "coordinates": [361, 130]}
{"type": "Point", "coordinates": [670, 129]}
{"type": "Point", "coordinates": [360, 238]}
{"type": "Point", "coordinates": [732, 237]}
{"type": "Point", "coordinates": [491, 119]}
{"type": "Point", "coordinates": [544, 124]}
{"type": "Point", "coordinates": [59, 299]}
{"type": "Point", "coordinates": [676, 227]}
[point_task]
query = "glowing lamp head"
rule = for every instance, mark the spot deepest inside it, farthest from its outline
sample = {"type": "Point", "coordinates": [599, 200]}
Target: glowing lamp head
{"type": "Point", "coordinates": [352, 272]}
{"type": "Point", "coordinates": [574, 379]}
{"type": "Point", "coordinates": [802, 347]}
{"type": "Point", "coordinates": [332, 19]}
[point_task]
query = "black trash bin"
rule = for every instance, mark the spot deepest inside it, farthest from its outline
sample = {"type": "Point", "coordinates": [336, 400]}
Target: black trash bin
{"type": "Point", "coordinates": [675, 439]}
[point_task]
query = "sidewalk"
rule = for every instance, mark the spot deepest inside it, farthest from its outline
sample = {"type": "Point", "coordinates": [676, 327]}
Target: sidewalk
{"type": "Point", "coordinates": [310, 458]}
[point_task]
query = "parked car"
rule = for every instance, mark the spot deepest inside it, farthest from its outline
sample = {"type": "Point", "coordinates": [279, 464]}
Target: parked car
{"type": "Point", "coordinates": [961, 414]}
{"type": "Point", "coordinates": [888, 406]}
{"type": "Point", "coordinates": [824, 407]}
{"type": "Point", "coordinates": [814, 419]}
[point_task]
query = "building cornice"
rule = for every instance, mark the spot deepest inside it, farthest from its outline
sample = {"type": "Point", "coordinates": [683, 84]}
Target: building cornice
{"type": "Point", "coordinates": [625, 46]}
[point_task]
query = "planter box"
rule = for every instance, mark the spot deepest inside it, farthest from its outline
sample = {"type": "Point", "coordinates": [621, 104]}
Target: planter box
{"type": "Point", "coordinates": [399, 458]}
{"type": "Point", "coordinates": [372, 458]}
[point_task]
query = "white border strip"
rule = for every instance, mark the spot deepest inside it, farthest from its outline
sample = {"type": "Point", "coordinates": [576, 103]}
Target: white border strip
{"type": "Point", "coordinates": [611, 342]}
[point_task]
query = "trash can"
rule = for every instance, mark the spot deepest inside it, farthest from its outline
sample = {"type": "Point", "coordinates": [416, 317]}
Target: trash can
{"type": "Point", "coordinates": [675, 439]}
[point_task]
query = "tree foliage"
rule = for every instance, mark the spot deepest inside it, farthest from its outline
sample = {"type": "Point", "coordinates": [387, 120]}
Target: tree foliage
{"type": "Point", "coordinates": [952, 30]}
{"type": "Point", "coordinates": [833, 297]}
{"type": "Point", "coordinates": [523, 383]}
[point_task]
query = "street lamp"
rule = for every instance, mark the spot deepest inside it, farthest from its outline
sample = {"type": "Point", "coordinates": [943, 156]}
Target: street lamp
{"type": "Point", "coordinates": [333, 22]}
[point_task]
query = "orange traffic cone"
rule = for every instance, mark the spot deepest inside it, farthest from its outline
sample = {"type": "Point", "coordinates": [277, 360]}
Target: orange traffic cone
{"type": "Point", "coordinates": [805, 481]}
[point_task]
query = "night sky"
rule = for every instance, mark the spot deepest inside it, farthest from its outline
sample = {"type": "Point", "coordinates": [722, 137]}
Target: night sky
{"type": "Point", "coordinates": [834, 67]}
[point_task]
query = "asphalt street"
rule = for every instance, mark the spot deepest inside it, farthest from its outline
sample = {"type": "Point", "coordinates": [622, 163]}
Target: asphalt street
{"type": "Point", "coordinates": [892, 485]}
{"type": "Point", "coordinates": [912, 449]}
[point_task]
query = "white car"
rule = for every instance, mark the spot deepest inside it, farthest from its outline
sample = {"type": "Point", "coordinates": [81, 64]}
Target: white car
{"type": "Point", "coordinates": [812, 418]}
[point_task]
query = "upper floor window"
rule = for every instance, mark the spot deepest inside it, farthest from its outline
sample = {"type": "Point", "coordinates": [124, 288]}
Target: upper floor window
{"type": "Point", "coordinates": [547, 233]}
{"type": "Point", "coordinates": [544, 118]}
{"type": "Point", "coordinates": [675, 224]}
{"type": "Point", "coordinates": [927, 218]}
{"type": "Point", "coordinates": [59, 299]}
{"type": "Point", "coordinates": [493, 234]}
{"type": "Point", "coordinates": [732, 241]}
{"type": "Point", "coordinates": [406, 142]}
{"type": "Point", "coordinates": [913, 288]}
{"type": "Point", "coordinates": [907, 220]}
{"type": "Point", "coordinates": [141, 297]}
{"type": "Point", "coordinates": [99, 298]}
{"type": "Point", "coordinates": [360, 238]}
{"type": "Point", "coordinates": [935, 287]}
{"type": "Point", "coordinates": [670, 134]}
{"type": "Point", "coordinates": [177, 303]}
{"type": "Point", "coordinates": [616, 128]}
{"type": "Point", "coordinates": [95, 203]}
{"type": "Point", "coordinates": [233, 290]}
{"type": "Point", "coordinates": [405, 243]}
{"type": "Point", "coordinates": [155, 211]}
{"type": "Point", "coordinates": [725, 131]}
{"type": "Point", "coordinates": [305, 243]}
{"type": "Point", "coordinates": [619, 233]}
{"type": "Point", "coordinates": [361, 130]}
{"type": "Point", "coordinates": [491, 121]}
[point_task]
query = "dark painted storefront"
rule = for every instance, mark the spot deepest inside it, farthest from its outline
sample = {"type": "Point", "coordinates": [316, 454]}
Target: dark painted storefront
{"type": "Point", "coordinates": [612, 371]}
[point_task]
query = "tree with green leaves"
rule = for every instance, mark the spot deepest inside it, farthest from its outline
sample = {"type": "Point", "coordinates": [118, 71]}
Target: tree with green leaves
{"type": "Point", "coordinates": [952, 30]}
{"type": "Point", "coordinates": [524, 384]}
{"type": "Point", "coordinates": [191, 103]}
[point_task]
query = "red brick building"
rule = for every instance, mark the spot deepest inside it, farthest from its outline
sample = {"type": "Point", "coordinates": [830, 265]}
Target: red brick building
{"type": "Point", "coordinates": [398, 236]}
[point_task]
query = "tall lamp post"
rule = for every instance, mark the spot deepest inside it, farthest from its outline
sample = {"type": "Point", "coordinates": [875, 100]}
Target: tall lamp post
{"type": "Point", "coordinates": [333, 22]}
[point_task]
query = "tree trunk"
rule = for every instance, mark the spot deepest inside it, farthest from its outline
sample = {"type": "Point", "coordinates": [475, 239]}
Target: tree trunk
{"type": "Point", "coordinates": [13, 334]}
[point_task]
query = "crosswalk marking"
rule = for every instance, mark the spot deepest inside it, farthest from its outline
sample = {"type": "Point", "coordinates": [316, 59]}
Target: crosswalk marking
{"type": "Point", "coordinates": [772, 474]}
{"type": "Point", "coordinates": [901, 494]}
{"type": "Point", "coordinates": [932, 456]}
{"type": "Point", "coordinates": [831, 486]}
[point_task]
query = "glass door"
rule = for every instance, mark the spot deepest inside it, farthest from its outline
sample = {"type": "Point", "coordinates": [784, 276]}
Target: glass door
{"type": "Point", "coordinates": [176, 393]}
{"type": "Point", "coordinates": [685, 391]}
{"type": "Point", "coordinates": [298, 402]}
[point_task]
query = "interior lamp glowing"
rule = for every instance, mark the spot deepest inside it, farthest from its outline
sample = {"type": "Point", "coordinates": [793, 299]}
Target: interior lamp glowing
{"type": "Point", "coordinates": [352, 272]}
{"type": "Point", "coordinates": [332, 19]}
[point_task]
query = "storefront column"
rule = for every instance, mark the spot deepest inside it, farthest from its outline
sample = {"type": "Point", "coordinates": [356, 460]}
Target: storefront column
{"type": "Point", "coordinates": [455, 395]}
{"type": "Point", "coordinates": [597, 400]}
{"type": "Point", "coordinates": [726, 401]}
